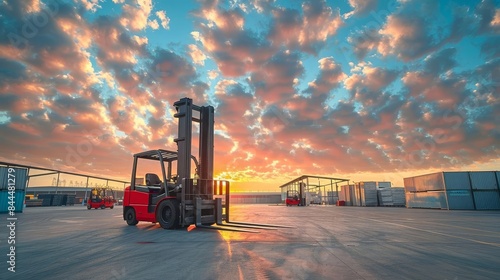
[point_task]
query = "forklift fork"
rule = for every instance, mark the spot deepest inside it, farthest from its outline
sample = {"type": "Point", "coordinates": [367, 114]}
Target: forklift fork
{"type": "Point", "coordinates": [219, 226]}
{"type": "Point", "coordinates": [222, 219]}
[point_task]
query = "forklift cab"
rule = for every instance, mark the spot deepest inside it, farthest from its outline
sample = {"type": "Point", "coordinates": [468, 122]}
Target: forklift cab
{"type": "Point", "coordinates": [158, 178]}
{"type": "Point", "coordinates": [292, 198]}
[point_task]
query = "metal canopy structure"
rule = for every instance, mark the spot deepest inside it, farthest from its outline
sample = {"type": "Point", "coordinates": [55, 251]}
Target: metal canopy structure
{"type": "Point", "coordinates": [48, 171]}
{"type": "Point", "coordinates": [321, 186]}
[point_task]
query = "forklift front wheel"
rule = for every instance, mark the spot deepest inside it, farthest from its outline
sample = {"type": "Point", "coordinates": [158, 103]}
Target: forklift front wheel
{"type": "Point", "coordinates": [88, 207]}
{"type": "Point", "coordinates": [130, 217]}
{"type": "Point", "coordinates": [167, 214]}
{"type": "Point", "coordinates": [103, 207]}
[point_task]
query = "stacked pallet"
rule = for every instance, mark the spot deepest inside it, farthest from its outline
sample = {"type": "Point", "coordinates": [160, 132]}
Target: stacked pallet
{"type": "Point", "coordinates": [398, 196]}
{"type": "Point", "coordinates": [391, 197]}
{"type": "Point", "coordinates": [385, 197]}
{"type": "Point", "coordinates": [368, 194]}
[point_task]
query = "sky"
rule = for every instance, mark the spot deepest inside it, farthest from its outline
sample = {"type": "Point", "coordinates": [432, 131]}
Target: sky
{"type": "Point", "coordinates": [367, 90]}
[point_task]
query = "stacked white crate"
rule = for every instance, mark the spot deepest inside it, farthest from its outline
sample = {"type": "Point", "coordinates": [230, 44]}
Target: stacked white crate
{"type": "Point", "coordinates": [398, 196]}
{"type": "Point", "coordinates": [369, 196]}
{"type": "Point", "coordinates": [385, 197]}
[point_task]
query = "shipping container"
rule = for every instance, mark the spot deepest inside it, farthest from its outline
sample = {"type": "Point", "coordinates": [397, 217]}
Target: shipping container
{"type": "Point", "coordinates": [457, 180]}
{"type": "Point", "coordinates": [429, 182]}
{"type": "Point", "coordinates": [434, 199]}
{"type": "Point", "coordinates": [409, 184]}
{"type": "Point", "coordinates": [463, 190]}
{"type": "Point", "coordinates": [18, 178]}
{"type": "Point", "coordinates": [3, 178]}
{"type": "Point", "coordinates": [5, 198]}
{"type": "Point", "coordinates": [487, 200]}
{"type": "Point", "coordinates": [460, 200]}
{"type": "Point", "coordinates": [483, 180]}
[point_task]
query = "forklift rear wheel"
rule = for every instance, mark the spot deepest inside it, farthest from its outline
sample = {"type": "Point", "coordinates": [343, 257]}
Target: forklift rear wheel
{"type": "Point", "coordinates": [111, 207]}
{"type": "Point", "coordinates": [168, 214]}
{"type": "Point", "coordinates": [103, 207]}
{"type": "Point", "coordinates": [88, 207]}
{"type": "Point", "coordinates": [130, 217]}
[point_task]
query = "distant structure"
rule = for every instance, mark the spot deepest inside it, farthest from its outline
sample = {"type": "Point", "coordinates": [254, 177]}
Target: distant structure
{"type": "Point", "coordinates": [59, 185]}
{"type": "Point", "coordinates": [474, 190]}
{"type": "Point", "coordinates": [313, 189]}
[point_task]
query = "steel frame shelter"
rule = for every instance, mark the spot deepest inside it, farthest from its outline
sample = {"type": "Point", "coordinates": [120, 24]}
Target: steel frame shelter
{"type": "Point", "coordinates": [310, 185]}
{"type": "Point", "coordinates": [50, 171]}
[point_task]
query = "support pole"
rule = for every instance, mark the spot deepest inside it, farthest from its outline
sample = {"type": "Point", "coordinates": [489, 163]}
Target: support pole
{"type": "Point", "coordinates": [57, 182]}
{"type": "Point", "coordinates": [86, 189]}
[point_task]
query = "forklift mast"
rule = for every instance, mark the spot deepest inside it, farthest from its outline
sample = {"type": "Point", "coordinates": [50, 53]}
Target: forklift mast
{"type": "Point", "coordinates": [187, 113]}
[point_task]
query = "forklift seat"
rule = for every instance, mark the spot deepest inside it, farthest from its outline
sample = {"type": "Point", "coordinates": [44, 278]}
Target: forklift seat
{"type": "Point", "coordinates": [152, 179]}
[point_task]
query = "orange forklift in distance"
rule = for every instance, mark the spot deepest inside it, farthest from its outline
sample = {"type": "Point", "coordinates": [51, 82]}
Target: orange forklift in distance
{"type": "Point", "coordinates": [179, 200]}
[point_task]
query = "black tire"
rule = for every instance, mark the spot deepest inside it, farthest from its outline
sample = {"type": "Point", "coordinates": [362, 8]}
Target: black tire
{"type": "Point", "coordinates": [111, 207]}
{"type": "Point", "coordinates": [167, 214]}
{"type": "Point", "coordinates": [88, 207]}
{"type": "Point", "coordinates": [103, 207]}
{"type": "Point", "coordinates": [130, 217]}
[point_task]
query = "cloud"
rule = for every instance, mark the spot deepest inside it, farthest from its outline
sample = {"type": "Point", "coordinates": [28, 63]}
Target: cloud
{"type": "Point", "coordinates": [197, 55]}
{"type": "Point", "coordinates": [367, 86]}
{"type": "Point", "coordinates": [490, 49]}
{"type": "Point", "coordinates": [307, 31]}
{"type": "Point", "coordinates": [440, 62]}
{"type": "Point", "coordinates": [406, 37]}
{"type": "Point", "coordinates": [163, 19]}
{"type": "Point", "coordinates": [362, 7]}
{"type": "Point", "coordinates": [11, 70]}
{"type": "Point", "coordinates": [263, 6]}
{"type": "Point", "coordinates": [171, 76]}
{"type": "Point", "coordinates": [311, 107]}
{"type": "Point", "coordinates": [90, 5]}
{"type": "Point", "coordinates": [275, 80]}
{"type": "Point", "coordinates": [236, 51]}
{"type": "Point", "coordinates": [228, 21]}
{"type": "Point", "coordinates": [489, 17]}
{"type": "Point", "coordinates": [136, 16]}
{"type": "Point", "coordinates": [153, 24]}
{"type": "Point", "coordinates": [408, 33]}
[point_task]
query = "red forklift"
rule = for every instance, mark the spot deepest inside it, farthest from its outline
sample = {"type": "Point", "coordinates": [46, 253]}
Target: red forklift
{"type": "Point", "coordinates": [182, 199]}
{"type": "Point", "coordinates": [296, 197]}
{"type": "Point", "coordinates": [292, 198]}
{"type": "Point", "coordinates": [101, 198]}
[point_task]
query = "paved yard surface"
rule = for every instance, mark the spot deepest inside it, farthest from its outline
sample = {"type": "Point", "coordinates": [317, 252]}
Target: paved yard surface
{"type": "Point", "coordinates": [328, 242]}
